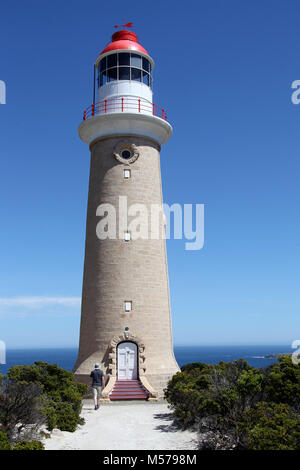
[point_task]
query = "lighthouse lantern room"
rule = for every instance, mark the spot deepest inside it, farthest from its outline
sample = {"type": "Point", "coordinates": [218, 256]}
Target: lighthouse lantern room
{"type": "Point", "coordinates": [124, 69]}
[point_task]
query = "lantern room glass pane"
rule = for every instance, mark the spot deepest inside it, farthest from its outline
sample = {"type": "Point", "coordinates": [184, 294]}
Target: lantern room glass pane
{"type": "Point", "coordinates": [146, 78]}
{"type": "Point", "coordinates": [112, 60]}
{"type": "Point", "coordinates": [136, 75]}
{"type": "Point", "coordinates": [124, 73]}
{"type": "Point", "coordinates": [102, 65]}
{"type": "Point", "coordinates": [146, 65]}
{"type": "Point", "coordinates": [124, 58]}
{"type": "Point", "coordinates": [112, 74]}
{"type": "Point", "coordinates": [103, 78]}
{"type": "Point", "coordinates": [136, 61]}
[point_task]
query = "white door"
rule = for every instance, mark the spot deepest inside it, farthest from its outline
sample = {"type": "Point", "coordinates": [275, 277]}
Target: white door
{"type": "Point", "coordinates": [127, 361]}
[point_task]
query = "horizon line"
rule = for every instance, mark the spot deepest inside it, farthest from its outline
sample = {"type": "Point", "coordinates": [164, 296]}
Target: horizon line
{"type": "Point", "coordinates": [211, 345]}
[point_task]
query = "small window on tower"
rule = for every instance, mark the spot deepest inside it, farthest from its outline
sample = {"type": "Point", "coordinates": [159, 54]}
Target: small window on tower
{"type": "Point", "coordinates": [126, 154]}
{"type": "Point", "coordinates": [127, 174]}
{"type": "Point", "coordinates": [127, 236]}
{"type": "Point", "coordinates": [128, 306]}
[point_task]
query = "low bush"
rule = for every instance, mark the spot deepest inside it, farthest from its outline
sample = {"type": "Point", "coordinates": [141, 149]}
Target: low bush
{"type": "Point", "coordinates": [4, 442]}
{"type": "Point", "coordinates": [236, 406]}
{"type": "Point", "coordinates": [62, 394]}
{"type": "Point", "coordinates": [29, 445]}
{"type": "Point", "coordinates": [271, 426]}
{"type": "Point", "coordinates": [62, 415]}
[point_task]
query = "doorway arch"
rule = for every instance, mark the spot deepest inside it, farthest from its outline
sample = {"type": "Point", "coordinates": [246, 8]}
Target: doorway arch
{"type": "Point", "coordinates": [127, 361]}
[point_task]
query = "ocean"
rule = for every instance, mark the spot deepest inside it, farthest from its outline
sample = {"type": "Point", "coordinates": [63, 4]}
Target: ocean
{"type": "Point", "coordinates": [65, 358]}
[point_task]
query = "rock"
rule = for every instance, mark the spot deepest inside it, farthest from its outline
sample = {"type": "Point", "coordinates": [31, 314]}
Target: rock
{"type": "Point", "coordinates": [56, 432]}
{"type": "Point", "coordinates": [45, 433]}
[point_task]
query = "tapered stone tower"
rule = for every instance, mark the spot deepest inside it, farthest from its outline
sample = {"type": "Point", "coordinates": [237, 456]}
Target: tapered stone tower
{"type": "Point", "coordinates": [125, 318]}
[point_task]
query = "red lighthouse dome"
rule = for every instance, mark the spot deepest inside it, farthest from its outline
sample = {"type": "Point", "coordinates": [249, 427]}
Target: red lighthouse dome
{"type": "Point", "coordinates": [124, 40]}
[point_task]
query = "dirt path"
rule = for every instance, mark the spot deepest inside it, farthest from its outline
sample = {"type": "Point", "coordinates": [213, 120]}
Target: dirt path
{"type": "Point", "coordinates": [124, 426]}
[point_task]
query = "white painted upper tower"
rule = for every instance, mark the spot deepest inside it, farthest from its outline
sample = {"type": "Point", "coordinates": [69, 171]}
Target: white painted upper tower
{"type": "Point", "coordinates": [124, 94]}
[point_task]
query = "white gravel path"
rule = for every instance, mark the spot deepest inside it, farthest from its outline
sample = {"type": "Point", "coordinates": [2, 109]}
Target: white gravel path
{"type": "Point", "coordinates": [124, 426]}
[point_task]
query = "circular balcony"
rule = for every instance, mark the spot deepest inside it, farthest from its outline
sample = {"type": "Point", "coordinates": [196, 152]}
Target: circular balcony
{"type": "Point", "coordinates": [125, 104]}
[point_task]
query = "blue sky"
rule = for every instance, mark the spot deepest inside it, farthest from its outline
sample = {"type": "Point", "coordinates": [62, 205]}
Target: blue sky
{"type": "Point", "coordinates": [223, 72]}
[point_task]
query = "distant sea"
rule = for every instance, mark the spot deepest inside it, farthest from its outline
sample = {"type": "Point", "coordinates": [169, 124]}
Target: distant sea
{"type": "Point", "coordinates": [65, 358]}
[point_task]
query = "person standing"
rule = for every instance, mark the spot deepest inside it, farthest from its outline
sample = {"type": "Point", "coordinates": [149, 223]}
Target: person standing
{"type": "Point", "coordinates": [97, 377]}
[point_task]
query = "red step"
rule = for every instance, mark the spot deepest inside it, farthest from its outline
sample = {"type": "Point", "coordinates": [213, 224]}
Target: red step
{"type": "Point", "coordinates": [128, 390]}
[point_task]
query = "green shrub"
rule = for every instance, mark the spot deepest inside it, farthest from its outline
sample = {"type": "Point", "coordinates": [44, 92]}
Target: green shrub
{"type": "Point", "coordinates": [29, 445]}
{"type": "Point", "coordinates": [245, 407]}
{"type": "Point", "coordinates": [189, 395]}
{"type": "Point", "coordinates": [215, 391]}
{"type": "Point", "coordinates": [62, 393]}
{"type": "Point", "coordinates": [282, 382]}
{"type": "Point", "coordinates": [271, 426]}
{"type": "Point", "coordinates": [4, 442]}
{"type": "Point", "coordinates": [62, 415]}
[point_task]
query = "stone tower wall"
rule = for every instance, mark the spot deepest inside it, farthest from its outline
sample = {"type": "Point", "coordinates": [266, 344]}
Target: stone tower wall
{"type": "Point", "coordinates": [116, 271]}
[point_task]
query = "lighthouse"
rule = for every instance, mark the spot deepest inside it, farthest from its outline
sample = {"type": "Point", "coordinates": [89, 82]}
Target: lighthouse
{"type": "Point", "coordinates": [125, 312]}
